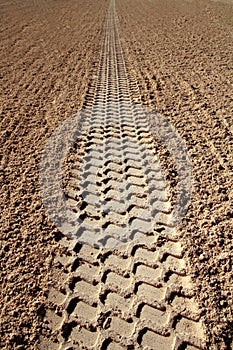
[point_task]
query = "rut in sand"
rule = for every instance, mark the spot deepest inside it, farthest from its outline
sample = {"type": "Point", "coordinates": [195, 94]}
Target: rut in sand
{"type": "Point", "coordinates": [124, 279]}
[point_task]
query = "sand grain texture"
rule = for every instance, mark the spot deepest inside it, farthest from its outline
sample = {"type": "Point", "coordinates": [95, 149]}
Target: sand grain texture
{"type": "Point", "coordinates": [179, 55]}
{"type": "Point", "coordinates": [48, 49]}
{"type": "Point", "coordinates": [184, 54]}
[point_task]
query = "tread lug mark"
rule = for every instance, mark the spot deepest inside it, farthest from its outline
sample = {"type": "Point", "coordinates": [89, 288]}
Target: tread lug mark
{"type": "Point", "coordinates": [136, 295]}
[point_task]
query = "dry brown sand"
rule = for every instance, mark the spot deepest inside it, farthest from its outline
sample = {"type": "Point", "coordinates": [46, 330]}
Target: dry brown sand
{"type": "Point", "coordinates": [180, 53]}
{"type": "Point", "coordinates": [48, 49]}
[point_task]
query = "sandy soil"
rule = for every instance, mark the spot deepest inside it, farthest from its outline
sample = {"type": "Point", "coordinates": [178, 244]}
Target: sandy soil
{"type": "Point", "coordinates": [180, 54]}
{"type": "Point", "coordinates": [48, 50]}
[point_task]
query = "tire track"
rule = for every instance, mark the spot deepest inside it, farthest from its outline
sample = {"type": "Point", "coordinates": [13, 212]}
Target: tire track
{"type": "Point", "coordinates": [136, 296]}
